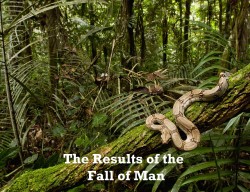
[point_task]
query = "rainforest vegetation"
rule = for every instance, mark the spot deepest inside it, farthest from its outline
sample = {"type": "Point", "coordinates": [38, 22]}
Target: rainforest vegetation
{"type": "Point", "coordinates": [81, 76]}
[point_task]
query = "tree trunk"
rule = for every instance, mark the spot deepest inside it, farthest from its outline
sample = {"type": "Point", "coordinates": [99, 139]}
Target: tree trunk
{"type": "Point", "coordinates": [52, 23]}
{"type": "Point", "coordinates": [220, 16]}
{"type": "Point", "coordinates": [239, 36]}
{"type": "Point", "coordinates": [228, 19]}
{"type": "Point", "coordinates": [209, 12]}
{"type": "Point", "coordinates": [186, 30]}
{"type": "Point", "coordinates": [140, 141]}
{"type": "Point", "coordinates": [92, 39]}
{"type": "Point", "coordinates": [180, 35]}
{"type": "Point", "coordinates": [164, 34]}
{"type": "Point", "coordinates": [209, 19]}
{"type": "Point", "coordinates": [127, 14]}
{"type": "Point", "coordinates": [140, 32]}
{"type": "Point", "coordinates": [241, 32]}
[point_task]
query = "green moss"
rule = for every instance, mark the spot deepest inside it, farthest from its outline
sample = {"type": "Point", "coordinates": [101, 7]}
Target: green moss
{"type": "Point", "coordinates": [237, 83]}
{"type": "Point", "coordinates": [38, 180]}
{"type": "Point", "coordinates": [239, 77]}
{"type": "Point", "coordinates": [64, 175]}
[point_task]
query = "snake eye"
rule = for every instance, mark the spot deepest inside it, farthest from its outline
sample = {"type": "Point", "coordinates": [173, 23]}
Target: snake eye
{"type": "Point", "coordinates": [222, 74]}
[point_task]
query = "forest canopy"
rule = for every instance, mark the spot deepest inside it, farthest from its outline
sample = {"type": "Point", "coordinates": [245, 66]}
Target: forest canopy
{"type": "Point", "coordinates": [82, 76]}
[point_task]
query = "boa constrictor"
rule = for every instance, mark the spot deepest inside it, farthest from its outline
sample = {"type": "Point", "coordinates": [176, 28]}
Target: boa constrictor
{"type": "Point", "coordinates": [168, 128]}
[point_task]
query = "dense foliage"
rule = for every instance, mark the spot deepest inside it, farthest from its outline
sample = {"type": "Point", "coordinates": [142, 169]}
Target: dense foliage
{"type": "Point", "coordinates": [77, 74]}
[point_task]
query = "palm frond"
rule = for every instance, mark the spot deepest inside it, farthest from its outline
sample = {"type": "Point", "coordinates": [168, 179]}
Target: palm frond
{"type": "Point", "coordinates": [129, 110]}
{"type": "Point", "coordinates": [216, 163]}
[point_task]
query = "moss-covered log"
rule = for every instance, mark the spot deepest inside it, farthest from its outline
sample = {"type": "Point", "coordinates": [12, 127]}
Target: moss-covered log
{"type": "Point", "coordinates": [140, 141]}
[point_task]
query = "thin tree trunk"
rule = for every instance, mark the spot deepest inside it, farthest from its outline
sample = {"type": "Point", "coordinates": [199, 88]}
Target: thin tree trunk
{"type": "Point", "coordinates": [180, 35]}
{"type": "Point", "coordinates": [220, 15]}
{"type": "Point", "coordinates": [127, 34]}
{"type": "Point", "coordinates": [8, 89]}
{"type": "Point", "coordinates": [186, 31]}
{"type": "Point", "coordinates": [130, 28]}
{"type": "Point", "coordinates": [209, 12]}
{"type": "Point", "coordinates": [228, 19]}
{"type": "Point", "coordinates": [140, 141]}
{"type": "Point", "coordinates": [164, 39]}
{"type": "Point", "coordinates": [52, 23]}
{"type": "Point", "coordinates": [93, 40]}
{"type": "Point", "coordinates": [105, 55]}
{"type": "Point", "coordinates": [209, 18]}
{"type": "Point", "coordinates": [140, 30]}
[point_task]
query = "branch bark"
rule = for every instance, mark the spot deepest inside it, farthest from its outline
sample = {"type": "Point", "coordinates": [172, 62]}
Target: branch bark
{"type": "Point", "coordinates": [140, 141]}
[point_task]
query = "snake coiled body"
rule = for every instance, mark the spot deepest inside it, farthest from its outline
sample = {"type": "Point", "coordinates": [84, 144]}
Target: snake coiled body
{"type": "Point", "coordinates": [169, 129]}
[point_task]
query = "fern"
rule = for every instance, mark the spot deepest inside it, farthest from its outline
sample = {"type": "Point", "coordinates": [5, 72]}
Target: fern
{"type": "Point", "coordinates": [223, 165]}
{"type": "Point", "coordinates": [127, 111]}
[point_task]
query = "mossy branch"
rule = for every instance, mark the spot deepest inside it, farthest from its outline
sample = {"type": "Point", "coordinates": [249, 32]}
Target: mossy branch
{"type": "Point", "coordinates": [140, 141]}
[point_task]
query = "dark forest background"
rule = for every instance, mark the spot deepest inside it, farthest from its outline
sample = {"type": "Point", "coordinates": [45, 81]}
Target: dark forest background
{"type": "Point", "coordinates": [76, 75]}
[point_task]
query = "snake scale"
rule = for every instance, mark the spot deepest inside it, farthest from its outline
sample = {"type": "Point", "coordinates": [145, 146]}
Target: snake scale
{"type": "Point", "coordinates": [169, 130]}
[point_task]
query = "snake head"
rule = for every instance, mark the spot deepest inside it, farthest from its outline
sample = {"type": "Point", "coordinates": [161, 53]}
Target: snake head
{"type": "Point", "coordinates": [225, 74]}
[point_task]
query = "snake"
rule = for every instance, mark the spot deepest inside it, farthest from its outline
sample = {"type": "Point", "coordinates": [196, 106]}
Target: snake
{"type": "Point", "coordinates": [169, 130]}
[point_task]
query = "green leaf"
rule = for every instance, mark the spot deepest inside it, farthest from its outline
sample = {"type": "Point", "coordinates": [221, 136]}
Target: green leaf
{"type": "Point", "coordinates": [93, 31]}
{"type": "Point", "coordinates": [227, 189]}
{"type": "Point", "coordinates": [245, 175]}
{"type": "Point", "coordinates": [232, 123]}
{"type": "Point", "coordinates": [205, 150]}
{"type": "Point", "coordinates": [167, 169]}
{"type": "Point", "coordinates": [7, 154]}
{"type": "Point", "coordinates": [210, 68]}
{"type": "Point", "coordinates": [247, 127]}
{"type": "Point", "coordinates": [208, 83]}
{"type": "Point", "coordinates": [83, 141]}
{"type": "Point", "coordinates": [245, 161]}
{"type": "Point", "coordinates": [58, 131]}
{"type": "Point", "coordinates": [99, 119]}
{"type": "Point", "coordinates": [26, 89]}
{"type": "Point", "coordinates": [214, 137]}
{"type": "Point", "coordinates": [197, 168]}
{"type": "Point", "coordinates": [31, 159]}
{"type": "Point", "coordinates": [22, 17]}
{"type": "Point", "coordinates": [129, 117]}
{"type": "Point", "coordinates": [241, 188]}
{"type": "Point", "coordinates": [208, 176]}
{"type": "Point", "coordinates": [245, 148]}
{"type": "Point", "coordinates": [207, 58]}
{"type": "Point", "coordinates": [204, 165]}
{"type": "Point", "coordinates": [132, 125]}
{"type": "Point", "coordinates": [177, 184]}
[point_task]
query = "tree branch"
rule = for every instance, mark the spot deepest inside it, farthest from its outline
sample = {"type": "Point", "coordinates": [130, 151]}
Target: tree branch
{"type": "Point", "coordinates": [140, 141]}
